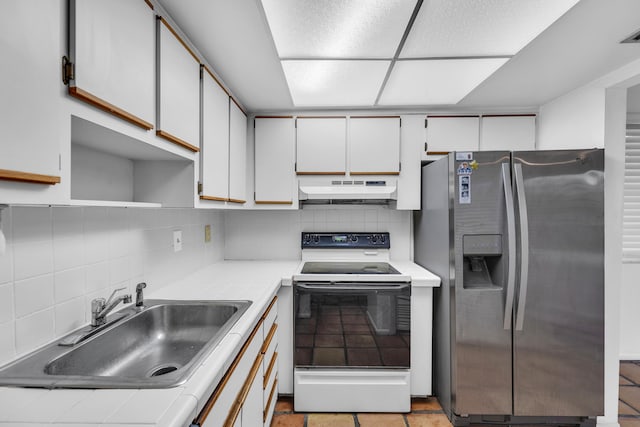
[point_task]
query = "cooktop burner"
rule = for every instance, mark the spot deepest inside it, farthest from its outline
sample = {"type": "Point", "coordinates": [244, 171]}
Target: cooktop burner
{"type": "Point", "coordinates": [339, 267]}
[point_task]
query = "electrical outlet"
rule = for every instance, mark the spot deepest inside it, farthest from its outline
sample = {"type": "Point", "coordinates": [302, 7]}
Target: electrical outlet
{"type": "Point", "coordinates": [177, 240]}
{"type": "Point", "coordinates": [207, 233]}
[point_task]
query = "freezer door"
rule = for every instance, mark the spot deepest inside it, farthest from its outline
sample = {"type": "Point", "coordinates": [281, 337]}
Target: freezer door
{"type": "Point", "coordinates": [559, 309]}
{"type": "Point", "coordinates": [481, 347]}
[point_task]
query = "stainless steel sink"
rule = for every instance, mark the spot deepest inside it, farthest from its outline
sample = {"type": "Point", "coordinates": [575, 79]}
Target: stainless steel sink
{"type": "Point", "coordinates": [158, 346]}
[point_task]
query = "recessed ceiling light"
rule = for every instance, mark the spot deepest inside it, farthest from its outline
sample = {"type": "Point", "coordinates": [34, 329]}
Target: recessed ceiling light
{"type": "Point", "coordinates": [436, 82]}
{"type": "Point", "coordinates": [445, 28]}
{"type": "Point", "coordinates": [342, 83]}
{"type": "Point", "coordinates": [337, 28]}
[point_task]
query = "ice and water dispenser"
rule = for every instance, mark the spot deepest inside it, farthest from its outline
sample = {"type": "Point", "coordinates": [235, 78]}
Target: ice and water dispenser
{"type": "Point", "coordinates": [482, 260]}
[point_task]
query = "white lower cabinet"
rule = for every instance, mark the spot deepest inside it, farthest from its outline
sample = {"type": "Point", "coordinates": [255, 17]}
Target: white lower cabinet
{"type": "Point", "coordinates": [240, 399]}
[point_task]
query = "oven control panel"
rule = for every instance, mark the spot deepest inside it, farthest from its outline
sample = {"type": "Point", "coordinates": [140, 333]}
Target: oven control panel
{"type": "Point", "coordinates": [345, 240]}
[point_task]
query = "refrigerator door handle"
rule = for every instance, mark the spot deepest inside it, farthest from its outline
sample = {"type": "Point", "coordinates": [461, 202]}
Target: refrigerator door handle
{"type": "Point", "coordinates": [524, 245]}
{"type": "Point", "coordinates": [511, 231]}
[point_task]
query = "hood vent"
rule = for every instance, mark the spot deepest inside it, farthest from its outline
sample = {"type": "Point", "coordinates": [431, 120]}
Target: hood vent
{"type": "Point", "coordinates": [634, 38]}
{"type": "Point", "coordinates": [349, 192]}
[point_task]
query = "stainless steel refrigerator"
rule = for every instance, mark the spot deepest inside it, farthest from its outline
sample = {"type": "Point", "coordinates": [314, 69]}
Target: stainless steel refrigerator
{"type": "Point", "coordinates": [518, 240]}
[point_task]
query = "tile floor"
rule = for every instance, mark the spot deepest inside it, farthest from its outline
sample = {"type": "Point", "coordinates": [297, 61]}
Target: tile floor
{"type": "Point", "coordinates": [424, 412]}
{"type": "Point", "coordinates": [629, 403]}
{"type": "Point", "coordinates": [428, 412]}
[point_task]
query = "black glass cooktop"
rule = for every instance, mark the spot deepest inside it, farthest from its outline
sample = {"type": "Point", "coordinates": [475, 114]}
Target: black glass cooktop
{"type": "Point", "coordinates": [338, 267]}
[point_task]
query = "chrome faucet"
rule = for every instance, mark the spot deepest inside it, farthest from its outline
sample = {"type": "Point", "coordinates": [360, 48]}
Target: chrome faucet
{"type": "Point", "coordinates": [100, 308]}
{"type": "Point", "coordinates": [139, 296]}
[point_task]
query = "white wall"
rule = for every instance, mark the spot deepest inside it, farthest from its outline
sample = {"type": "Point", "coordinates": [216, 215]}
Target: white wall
{"type": "Point", "coordinates": [267, 235]}
{"type": "Point", "coordinates": [58, 259]}
{"type": "Point", "coordinates": [575, 120]}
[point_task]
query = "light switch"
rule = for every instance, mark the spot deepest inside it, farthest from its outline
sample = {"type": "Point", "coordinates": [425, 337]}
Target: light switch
{"type": "Point", "coordinates": [177, 240]}
{"type": "Point", "coordinates": [207, 233]}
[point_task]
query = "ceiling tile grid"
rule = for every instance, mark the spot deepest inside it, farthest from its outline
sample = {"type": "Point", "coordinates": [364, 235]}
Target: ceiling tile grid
{"type": "Point", "coordinates": [367, 53]}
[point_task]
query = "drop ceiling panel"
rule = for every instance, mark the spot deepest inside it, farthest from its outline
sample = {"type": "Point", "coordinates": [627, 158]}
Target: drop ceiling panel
{"type": "Point", "coordinates": [445, 28]}
{"type": "Point", "coordinates": [436, 82]}
{"type": "Point", "coordinates": [337, 29]}
{"type": "Point", "coordinates": [330, 83]}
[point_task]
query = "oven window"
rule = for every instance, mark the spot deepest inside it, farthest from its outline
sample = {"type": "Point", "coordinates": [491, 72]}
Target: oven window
{"type": "Point", "coordinates": [352, 329]}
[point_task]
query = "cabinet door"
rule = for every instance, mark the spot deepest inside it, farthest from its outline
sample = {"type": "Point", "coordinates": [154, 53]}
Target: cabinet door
{"type": "Point", "coordinates": [375, 145]}
{"type": "Point", "coordinates": [452, 133]}
{"type": "Point", "coordinates": [508, 133]}
{"type": "Point", "coordinates": [274, 160]}
{"type": "Point", "coordinates": [30, 87]}
{"type": "Point", "coordinates": [321, 145]}
{"type": "Point", "coordinates": [252, 415]}
{"type": "Point", "coordinates": [112, 44]}
{"type": "Point", "coordinates": [215, 141]}
{"type": "Point", "coordinates": [237, 155]}
{"type": "Point", "coordinates": [178, 90]}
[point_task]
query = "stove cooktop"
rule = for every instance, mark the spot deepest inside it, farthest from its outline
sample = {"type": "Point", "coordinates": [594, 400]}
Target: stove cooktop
{"type": "Point", "coordinates": [340, 267]}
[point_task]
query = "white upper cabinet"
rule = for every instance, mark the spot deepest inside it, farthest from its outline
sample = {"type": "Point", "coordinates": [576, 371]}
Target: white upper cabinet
{"type": "Point", "coordinates": [112, 44]}
{"type": "Point", "coordinates": [321, 145]}
{"type": "Point", "coordinates": [30, 45]}
{"type": "Point", "coordinates": [237, 154]}
{"type": "Point", "coordinates": [374, 145]}
{"type": "Point", "coordinates": [274, 160]}
{"type": "Point", "coordinates": [517, 132]}
{"type": "Point", "coordinates": [452, 133]}
{"type": "Point", "coordinates": [215, 140]}
{"type": "Point", "coordinates": [178, 81]}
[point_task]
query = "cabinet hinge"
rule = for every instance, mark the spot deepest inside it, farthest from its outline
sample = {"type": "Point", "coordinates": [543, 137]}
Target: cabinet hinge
{"type": "Point", "coordinates": [68, 70]}
{"type": "Point", "coordinates": [295, 167]}
{"type": "Point", "coordinates": [199, 187]}
{"type": "Point", "coordinates": [400, 121]}
{"type": "Point", "coordinates": [425, 123]}
{"type": "Point", "coordinates": [295, 123]}
{"type": "Point", "coordinates": [400, 167]}
{"type": "Point", "coordinates": [425, 147]}
{"type": "Point", "coordinates": [254, 123]}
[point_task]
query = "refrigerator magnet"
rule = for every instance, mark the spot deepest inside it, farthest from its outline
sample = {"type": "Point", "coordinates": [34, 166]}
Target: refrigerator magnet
{"type": "Point", "coordinates": [464, 189]}
{"type": "Point", "coordinates": [464, 168]}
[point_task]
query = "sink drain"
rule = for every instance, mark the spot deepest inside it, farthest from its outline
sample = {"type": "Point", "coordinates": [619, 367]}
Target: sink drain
{"type": "Point", "coordinates": [162, 370]}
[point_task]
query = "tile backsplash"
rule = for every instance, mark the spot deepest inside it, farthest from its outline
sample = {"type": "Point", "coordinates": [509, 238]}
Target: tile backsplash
{"type": "Point", "coordinates": [58, 259]}
{"type": "Point", "coordinates": [276, 234]}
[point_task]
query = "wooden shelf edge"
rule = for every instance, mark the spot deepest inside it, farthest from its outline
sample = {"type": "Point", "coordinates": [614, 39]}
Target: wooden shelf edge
{"type": "Point", "coordinates": [182, 42]}
{"type": "Point", "coordinates": [437, 153]}
{"type": "Point", "coordinates": [239, 201]}
{"type": "Point", "coordinates": [32, 178]}
{"type": "Point", "coordinates": [91, 99]}
{"type": "Point", "coordinates": [176, 140]}
{"type": "Point", "coordinates": [321, 173]}
{"type": "Point", "coordinates": [214, 199]}
{"type": "Point", "coordinates": [374, 173]}
{"type": "Point", "coordinates": [274, 202]}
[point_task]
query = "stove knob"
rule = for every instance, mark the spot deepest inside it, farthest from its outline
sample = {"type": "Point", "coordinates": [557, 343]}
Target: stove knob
{"type": "Point", "coordinates": [354, 238]}
{"type": "Point", "coordinates": [316, 238]}
{"type": "Point", "coordinates": [374, 238]}
{"type": "Point", "coordinates": [382, 238]}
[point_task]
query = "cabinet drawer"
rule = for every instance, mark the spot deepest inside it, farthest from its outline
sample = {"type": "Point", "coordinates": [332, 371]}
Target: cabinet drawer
{"type": "Point", "coordinates": [221, 402]}
{"type": "Point", "coordinates": [269, 379]}
{"type": "Point", "coordinates": [270, 316]}
{"type": "Point", "coordinates": [270, 362]}
{"type": "Point", "coordinates": [270, 402]}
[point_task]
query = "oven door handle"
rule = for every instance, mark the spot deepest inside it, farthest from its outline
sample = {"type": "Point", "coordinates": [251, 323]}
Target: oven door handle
{"type": "Point", "coordinates": [352, 287]}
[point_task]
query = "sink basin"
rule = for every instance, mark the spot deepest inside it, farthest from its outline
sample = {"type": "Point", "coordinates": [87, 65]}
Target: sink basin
{"type": "Point", "coordinates": [156, 347]}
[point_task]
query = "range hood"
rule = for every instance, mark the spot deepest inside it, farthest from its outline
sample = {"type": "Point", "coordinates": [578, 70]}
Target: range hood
{"type": "Point", "coordinates": [348, 192]}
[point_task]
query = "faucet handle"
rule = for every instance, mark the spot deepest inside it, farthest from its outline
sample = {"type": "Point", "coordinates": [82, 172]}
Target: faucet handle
{"type": "Point", "coordinates": [97, 305]}
{"type": "Point", "coordinates": [140, 286]}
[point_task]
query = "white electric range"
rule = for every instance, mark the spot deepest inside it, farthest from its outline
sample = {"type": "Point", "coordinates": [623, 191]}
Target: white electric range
{"type": "Point", "coordinates": [354, 346]}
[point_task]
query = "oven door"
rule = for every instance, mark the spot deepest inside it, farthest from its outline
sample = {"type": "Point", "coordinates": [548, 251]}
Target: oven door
{"type": "Point", "coordinates": [352, 325]}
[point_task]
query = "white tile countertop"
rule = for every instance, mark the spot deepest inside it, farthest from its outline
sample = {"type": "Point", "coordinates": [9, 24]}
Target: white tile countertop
{"type": "Point", "coordinates": [257, 281]}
